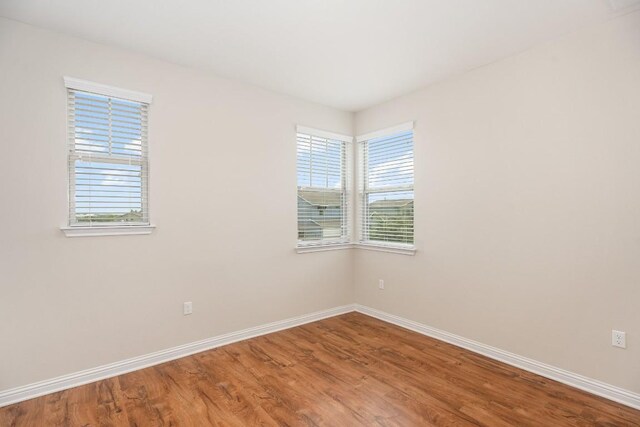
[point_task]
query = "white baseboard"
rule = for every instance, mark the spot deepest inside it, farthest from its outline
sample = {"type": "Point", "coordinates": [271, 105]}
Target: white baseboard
{"type": "Point", "coordinates": [41, 388]}
{"type": "Point", "coordinates": [599, 388]}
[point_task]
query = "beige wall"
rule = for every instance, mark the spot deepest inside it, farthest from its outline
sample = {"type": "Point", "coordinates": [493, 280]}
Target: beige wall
{"type": "Point", "coordinates": [223, 197]}
{"type": "Point", "coordinates": [527, 203]}
{"type": "Point", "coordinates": [527, 199]}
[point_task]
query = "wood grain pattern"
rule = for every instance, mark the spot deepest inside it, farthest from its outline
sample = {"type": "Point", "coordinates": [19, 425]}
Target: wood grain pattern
{"type": "Point", "coordinates": [344, 371]}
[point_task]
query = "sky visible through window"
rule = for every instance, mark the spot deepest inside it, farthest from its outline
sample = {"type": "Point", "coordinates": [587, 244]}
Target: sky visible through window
{"type": "Point", "coordinates": [101, 188]}
{"type": "Point", "coordinates": [319, 162]}
{"type": "Point", "coordinates": [390, 164]}
{"type": "Point", "coordinates": [388, 192]}
{"type": "Point", "coordinates": [321, 188]}
{"type": "Point", "coordinates": [108, 147]}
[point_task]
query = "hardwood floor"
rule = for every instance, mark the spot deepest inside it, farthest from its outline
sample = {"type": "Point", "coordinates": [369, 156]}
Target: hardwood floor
{"type": "Point", "coordinates": [343, 371]}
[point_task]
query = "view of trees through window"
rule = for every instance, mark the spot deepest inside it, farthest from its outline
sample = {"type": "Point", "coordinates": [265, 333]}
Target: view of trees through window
{"type": "Point", "coordinates": [391, 220]}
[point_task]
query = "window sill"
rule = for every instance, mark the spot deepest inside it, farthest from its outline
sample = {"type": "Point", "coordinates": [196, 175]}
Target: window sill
{"type": "Point", "coordinates": [323, 247]}
{"type": "Point", "coordinates": [395, 249]}
{"type": "Point", "coordinates": [114, 230]}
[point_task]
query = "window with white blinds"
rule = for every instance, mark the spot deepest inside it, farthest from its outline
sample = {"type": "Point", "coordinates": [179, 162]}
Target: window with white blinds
{"type": "Point", "coordinates": [386, 187]}
{"type": "Point", "coordinates": [108, 158]}
{"type": "Point", "coordinates": [323, 182]}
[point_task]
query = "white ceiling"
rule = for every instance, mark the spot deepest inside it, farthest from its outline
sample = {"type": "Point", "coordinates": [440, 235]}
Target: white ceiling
{"type": "Point", "coordinates": [348, 54]}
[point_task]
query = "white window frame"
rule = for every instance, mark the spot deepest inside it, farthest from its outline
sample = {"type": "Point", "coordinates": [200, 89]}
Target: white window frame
{"type": "Point", "coordinates": [363, 192]}
{"type": "Point", "coordinates": [345, 241]}
{"type": "Point", "coordinates": [74, 229]}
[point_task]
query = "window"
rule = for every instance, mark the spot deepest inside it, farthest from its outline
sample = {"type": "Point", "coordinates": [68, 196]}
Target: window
{"type": "Point", "coordinates": [386, 187]}
{"type": "Point", "coordinates": [108, 156]}
{"type": "Point", "coordinates": [323, 182]}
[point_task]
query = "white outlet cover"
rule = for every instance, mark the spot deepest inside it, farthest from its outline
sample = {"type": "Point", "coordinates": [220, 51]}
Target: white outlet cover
{"type": "Point", "coordinates": [187, 308]}
{"type": "Point", "coordinates": [619, 339]}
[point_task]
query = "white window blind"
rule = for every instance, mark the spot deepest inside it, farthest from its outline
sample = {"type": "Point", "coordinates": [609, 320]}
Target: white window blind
{"type": "Point", "coordinates": [108, 160]}
{"type": "Point", "coordinates": [323, 182]}
{"type": "Point", "coordinates": [386, 187]}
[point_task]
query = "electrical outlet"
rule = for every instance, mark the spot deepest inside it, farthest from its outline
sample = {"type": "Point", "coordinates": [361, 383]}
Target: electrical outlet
{"type": "Point", "coordinates": [381, 284]}
{"type": "Point", "coordinates": [187, 308]}
{"type": "Point", "coordinates": [619, 339]}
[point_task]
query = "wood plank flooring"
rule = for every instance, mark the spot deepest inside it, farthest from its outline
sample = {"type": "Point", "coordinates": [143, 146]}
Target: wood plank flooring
{"type": "Point", "coordinates": [348, 370]}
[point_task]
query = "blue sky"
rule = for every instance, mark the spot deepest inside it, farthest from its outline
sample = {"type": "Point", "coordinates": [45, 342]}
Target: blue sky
{"type": "Point", "coordinates": [107, 187]}
{"type": "Point", "coordinates": [319, 162]}
{"type": "Point", "coordinates": [390, 164]}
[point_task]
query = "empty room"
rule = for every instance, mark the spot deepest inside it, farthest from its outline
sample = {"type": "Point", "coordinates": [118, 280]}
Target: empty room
{"type": "Point", "coordinates": [320, 213]}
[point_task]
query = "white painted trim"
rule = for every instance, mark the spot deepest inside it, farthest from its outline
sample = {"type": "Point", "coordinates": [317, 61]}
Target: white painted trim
{"type": "Point", "coordinates": [323, 247]}
{"type": "Point", "coordinates": [596, 387]}
{"type": "Point", "coordinates": [385, 132]}
{"type": "Point", "coordinates": [99, 88]}
{"type": "Point", "coordinates": [394, 249]}
{"type": "Point", "coordinates": [41, 388]}
{"type": "Point", "coordinates": [114, 230]}
{"type": "Point", "coordinates": [323, 133]}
